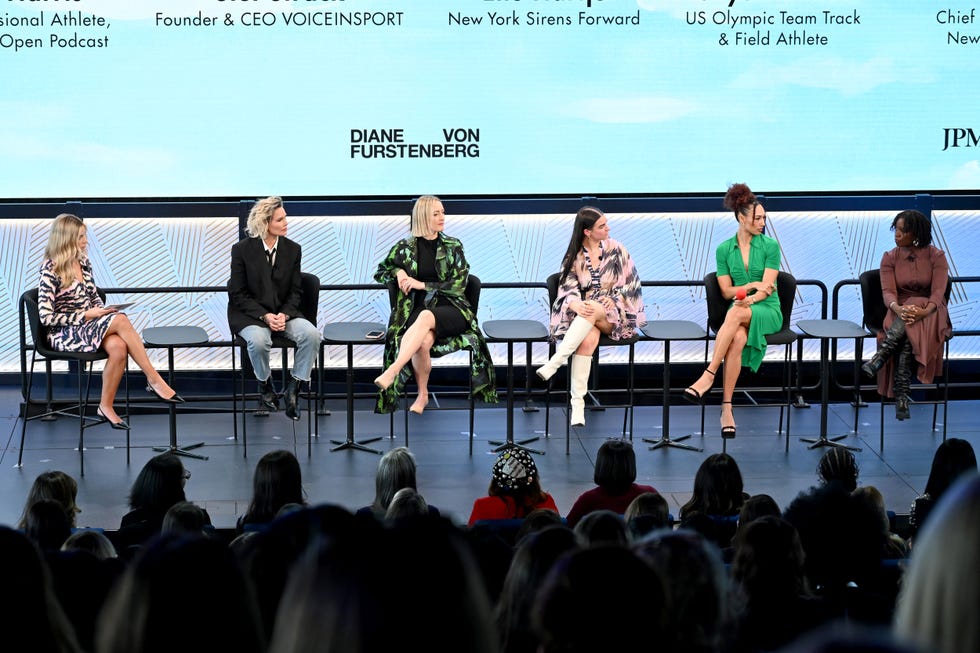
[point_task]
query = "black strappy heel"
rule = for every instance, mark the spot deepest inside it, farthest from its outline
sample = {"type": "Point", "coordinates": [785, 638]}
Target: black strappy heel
{"type": "Point", "coordinates": [693, 395]}
{"type": "Point", "coordinates": [727, 432]}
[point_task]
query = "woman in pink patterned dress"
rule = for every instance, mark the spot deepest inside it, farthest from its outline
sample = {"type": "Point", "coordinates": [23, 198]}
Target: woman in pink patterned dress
{"type": "Point", "coordinates": [76, 319]}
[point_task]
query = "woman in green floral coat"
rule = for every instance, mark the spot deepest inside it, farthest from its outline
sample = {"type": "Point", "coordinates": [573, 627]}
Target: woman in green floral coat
{"type": "Point", "coordinates": [432, 316]}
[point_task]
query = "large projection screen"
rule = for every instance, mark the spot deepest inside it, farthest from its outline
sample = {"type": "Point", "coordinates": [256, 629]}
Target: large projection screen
{"type": "Point", "coordinates": [228, 98]}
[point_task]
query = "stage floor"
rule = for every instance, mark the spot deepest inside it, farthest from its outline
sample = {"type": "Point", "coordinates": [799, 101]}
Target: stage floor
{"type": "Point", "coordinates": [448, 476]}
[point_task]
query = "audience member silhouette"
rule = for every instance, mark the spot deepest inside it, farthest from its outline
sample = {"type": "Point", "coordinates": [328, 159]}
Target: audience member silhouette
{"type": "Point", "coordinates": [396, 470]}
{"type": "Point", "coordinates": [159, 485]}
{"type": "Point", "coordinates": [596, 599]}
{"type": "Point", "coordinates": [532, 561]}
{"type": "Point", "coordinates": [277, 481]}
{"type": "Point", "coordinates": [772, 599]}
{"type": "Point", "coordinates": [718, 488]}
{"type": "Point", "coordinates": [269, 556]}
{"type": "Point", "coordinates": [339, 598]}
{"type": "Point", "coordinates": [647, 513]}
{"type": "Point", "coordinates": [32, 618]}
{"type": "Point", "coordinates": [405, 504]}
{"type": "Point", "coordinates": [953, 458]}
{"type": "Point", "coordinates": [716, 501]}
{"type": "Point", "coordinates": [601, 527]}
{"type": "Point", "coordinates": [895, 546]}
{"type": "Point", "coordinates": [937, 606]}
{"type": "Point", "coordinates": [82, 583]}
{"type": "Point", "coordinates": [56, 486]}
{"type": "Point", "coordinates": [842, 540]}
{"type": "Point", "coordinates": [615, 479]}
{"type": "Point", "coordinates": [838, 465]}
{"type": "Point", "coordinates": [696, 583]}
{"type": "Point", "coordinates": [91, 541]}
{"type": "Point", "coordinates": [515, 489]}
{"type": "Point", "coordinates": [174, 581]}
{"type": "Point", "coordinates": [47, 525]}
{"type": "Point", "coordinates": [185, 518]}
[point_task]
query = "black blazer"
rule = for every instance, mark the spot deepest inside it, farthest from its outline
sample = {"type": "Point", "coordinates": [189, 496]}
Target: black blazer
{"type": "Point", "coordinates": [254, 289]}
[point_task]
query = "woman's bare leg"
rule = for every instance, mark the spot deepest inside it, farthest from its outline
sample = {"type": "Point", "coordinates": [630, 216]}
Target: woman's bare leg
{"type": "Point", "coordinates": [115, 347]}
{"type": "Point", "coordinates": [733, 367]}
{"type": "Point", "coordinates": [422, 364]}
{"type": "Point", "coordinates": [123, 328]}
{"type": "Point", "coordinates": [412, 341]}
{"type": "Point", "coordinates": [737, 318]}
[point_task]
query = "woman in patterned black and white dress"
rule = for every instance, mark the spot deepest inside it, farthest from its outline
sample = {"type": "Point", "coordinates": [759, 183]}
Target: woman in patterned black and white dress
{"type": "Point", "coordinates": [76, 319]}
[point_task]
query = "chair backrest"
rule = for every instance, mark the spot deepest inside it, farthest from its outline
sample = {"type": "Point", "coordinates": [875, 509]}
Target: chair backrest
{"type": "Point", "coordinates": [39, 332]}
{"type": "Point", "coordinates": [552, 283]}
{"type": "Point", "coordinates": [309, 304]}
{"type": "Point", "coordinates": [786, 287]}
{"type": "Point", "coordinates": [718, 305]}
{"type": "Point", "coordinates": [871, 302]}
{"type": "Point", "coordinates": [472, 292]}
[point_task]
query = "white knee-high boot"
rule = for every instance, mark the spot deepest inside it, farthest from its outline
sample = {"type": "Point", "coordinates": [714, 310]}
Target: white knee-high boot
{"type": "Point", "coordinates": [577, 330]}
{"type": "Point", "coordinates": [581, 367]}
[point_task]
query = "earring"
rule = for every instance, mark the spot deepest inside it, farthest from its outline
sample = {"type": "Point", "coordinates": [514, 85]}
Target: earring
{"type": "Point", "coordinates": [915, 243]}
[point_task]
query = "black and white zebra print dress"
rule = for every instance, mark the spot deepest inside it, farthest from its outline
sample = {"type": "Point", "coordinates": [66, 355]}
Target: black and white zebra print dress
{"type": "Point", "coordinates": [62, 310]}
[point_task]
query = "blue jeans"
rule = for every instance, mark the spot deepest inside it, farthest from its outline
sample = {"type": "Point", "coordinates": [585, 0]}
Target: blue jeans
{"type": "Point", "coordinates": [299, 330]}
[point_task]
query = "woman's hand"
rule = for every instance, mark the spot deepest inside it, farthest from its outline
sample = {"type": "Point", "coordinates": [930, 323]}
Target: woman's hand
{"type": "Point", "coordinates": [608, 303]}
{"type": "Point", "coordinates": [911, 313]}
{"type": "Point", "coordinates": [96, 312]}
{"type": "Point", "coordinates": [585, 309]}
{"type": "Point", "coordinates": [407, 284]}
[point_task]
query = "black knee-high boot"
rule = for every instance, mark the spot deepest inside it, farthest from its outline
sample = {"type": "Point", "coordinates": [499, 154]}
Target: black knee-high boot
{"type": "Point", "coordinates": [894, 338]}
{"type": "Point", "coordinates": [903, 378]}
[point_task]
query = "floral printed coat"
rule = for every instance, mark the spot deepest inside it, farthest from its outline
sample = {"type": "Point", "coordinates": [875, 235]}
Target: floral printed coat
{"type": "Point", "coordinates": [453, 272]}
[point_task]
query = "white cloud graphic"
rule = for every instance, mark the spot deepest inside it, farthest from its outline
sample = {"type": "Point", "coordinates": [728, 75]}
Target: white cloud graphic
{"type": "Point", "coordinates": [966, 176]}
{"type": "Point", "coordinates": [631, 110]}
{"type": "Point", "coordinates": [831, 73]}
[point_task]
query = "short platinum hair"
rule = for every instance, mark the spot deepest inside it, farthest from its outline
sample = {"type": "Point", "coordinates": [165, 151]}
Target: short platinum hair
{"type": "Point", "coordinates": [260, 216]}
{"type": "Point", "coordinates": [421, 214]}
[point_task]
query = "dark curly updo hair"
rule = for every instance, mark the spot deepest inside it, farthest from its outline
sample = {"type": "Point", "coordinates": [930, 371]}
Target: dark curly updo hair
{"type": "Point", "coordinates": [740, 199]}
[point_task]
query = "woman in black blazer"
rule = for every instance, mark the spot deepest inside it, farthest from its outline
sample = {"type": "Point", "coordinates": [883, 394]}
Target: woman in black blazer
{"type": "Point", "coordinates": [264, 296]}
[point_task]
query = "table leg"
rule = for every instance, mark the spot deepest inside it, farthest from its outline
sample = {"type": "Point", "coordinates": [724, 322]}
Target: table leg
{"type": "Point", "coordinates": [823, 440]}
{"type": "Point", "coordinates": [350, 443]}
{"type": "Point", "coordinates": [664, 440]}
{"type": "Point", "coordinates": [172, 418]}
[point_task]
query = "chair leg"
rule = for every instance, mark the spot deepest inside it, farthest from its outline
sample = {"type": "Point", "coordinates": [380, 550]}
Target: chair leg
{"type": "Point", "coordinates": [27, 412]}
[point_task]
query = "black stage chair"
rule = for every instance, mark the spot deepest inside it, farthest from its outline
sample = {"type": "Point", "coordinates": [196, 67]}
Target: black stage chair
{"type": "Point", "coordinates": [83, 360]}
{"type": "Point", "coordinates": [718, 308]}
{"type": "Point", "coordinates": [874, 320]}
{"type": "Point", "coordinates": [472, 292]}
{"type": "Point", "coordinates": [309, 303]}
{"type": "Point", "coordinates": [604, 341]}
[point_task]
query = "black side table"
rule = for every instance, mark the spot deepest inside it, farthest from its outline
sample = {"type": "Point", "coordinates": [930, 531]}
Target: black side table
{"type": "Point", "coordinates": [511, 331]}
{"type": "Point", "coordinates": [171, 337]}
{"type": "Point", "coordinates": [666, 331]}
{"type": "Point", "coordinates": [827, 330]}
{"type": "Point", "coordinates": [350, 334]}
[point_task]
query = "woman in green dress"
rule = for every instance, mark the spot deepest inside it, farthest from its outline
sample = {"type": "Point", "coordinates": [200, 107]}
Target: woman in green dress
{"type": "Point", "coordinates": [748, 263]}
{"type": "Point", "coordinates": [432, 316]}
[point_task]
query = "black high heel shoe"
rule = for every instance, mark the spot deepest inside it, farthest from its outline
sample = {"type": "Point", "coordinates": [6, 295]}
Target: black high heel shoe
{"type": "Point", "coordinates": [173, 399]}
{"type": "Point", "coordinates": [693, 395]}
{"type": "Point", "coordinates": [727, 432]}
{"type": "Point", "coordinates": [121, 425]}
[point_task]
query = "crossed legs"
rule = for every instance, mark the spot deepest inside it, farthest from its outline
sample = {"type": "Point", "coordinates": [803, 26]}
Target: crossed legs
{"type": "Point", "coordinates": [729, 343]}
{"type": "Point", "coordinates": [415, 346]}
{"type": "Point", "coordinates": [122, 340]}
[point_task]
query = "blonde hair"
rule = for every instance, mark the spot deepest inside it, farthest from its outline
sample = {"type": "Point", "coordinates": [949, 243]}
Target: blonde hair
{"type": "Point", "coordinates": [422, 215]}
{"type": "Point", "coordinates": [936, 606]}
{"type": "Point", "coordinates": [62, 248]}
{"type": "Point", "coordinates": [260, 216]}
